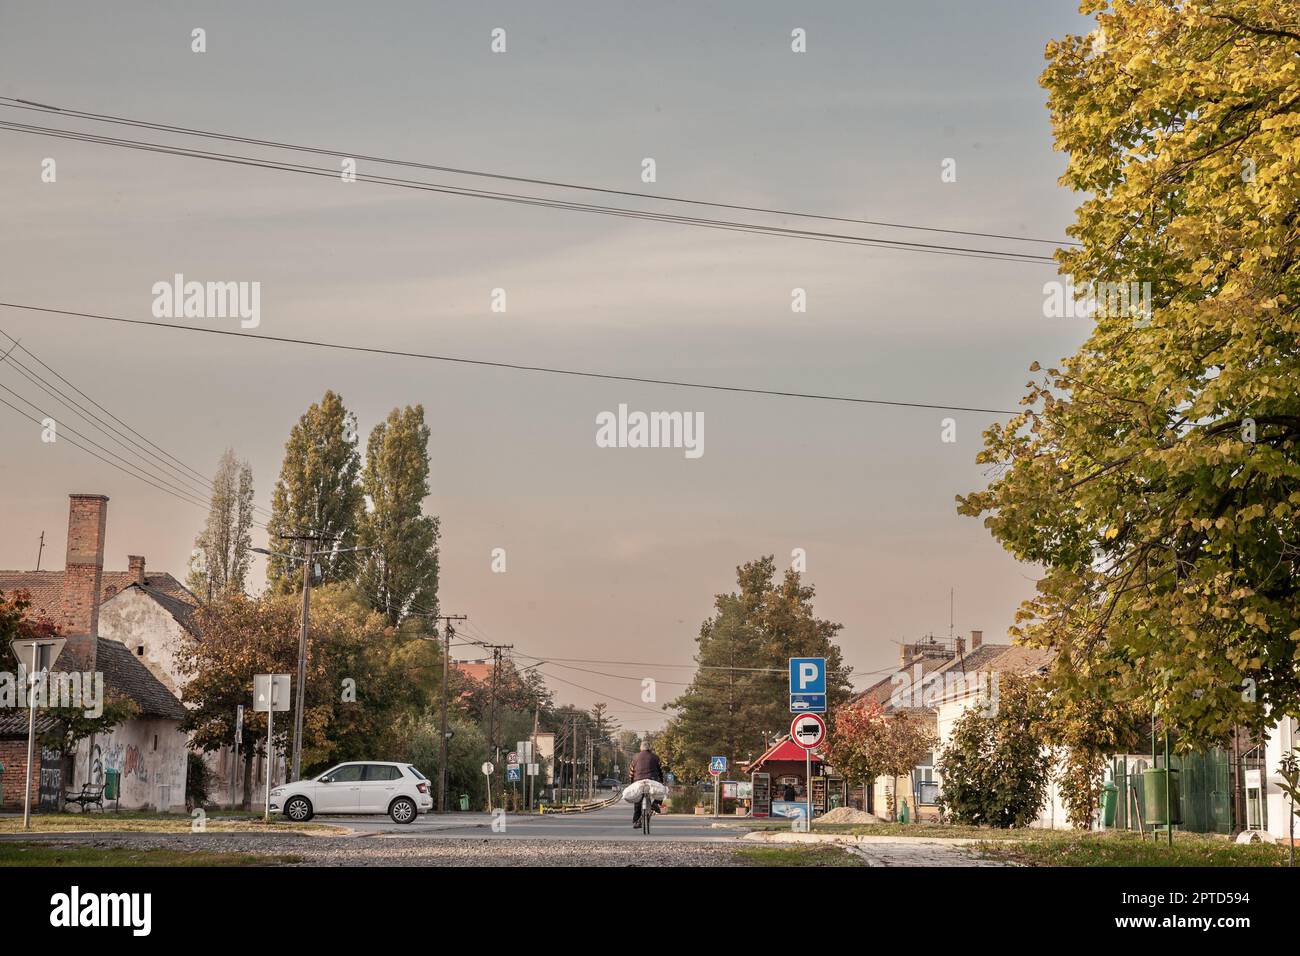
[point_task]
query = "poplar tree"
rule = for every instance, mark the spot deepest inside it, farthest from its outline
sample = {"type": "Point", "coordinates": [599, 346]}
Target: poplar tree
{"type": "Point", "coordinates": [219, 565]}
{"type": "Point", "coordinates": [317, 493]}
{"type": "Point", "coordinates": [399, 571]}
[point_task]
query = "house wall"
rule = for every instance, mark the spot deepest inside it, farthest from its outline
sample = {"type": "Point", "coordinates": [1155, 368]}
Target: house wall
{"type": "Point", "coordinates": [133, 618]}
{"type": "Point", "coordinates": [149, 754]}
{"type": "Point", "coordinates": [1281, 739]}
{"type": "Point", "coordinates": [151, 633]}
{"type": "Point", "coordinates": [13, 755]}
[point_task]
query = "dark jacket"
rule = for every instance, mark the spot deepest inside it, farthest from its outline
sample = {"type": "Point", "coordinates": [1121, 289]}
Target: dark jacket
{"type": "Point", "coordinates": [645, 766]}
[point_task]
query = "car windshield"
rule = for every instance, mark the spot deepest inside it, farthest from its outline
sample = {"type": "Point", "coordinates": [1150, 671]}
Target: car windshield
{"type": "Point", "coordinates": [415, 773]}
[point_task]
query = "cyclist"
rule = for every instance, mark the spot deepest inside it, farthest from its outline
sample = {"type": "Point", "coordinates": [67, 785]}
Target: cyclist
{"type": "Point", "coordinates": [645, 766]}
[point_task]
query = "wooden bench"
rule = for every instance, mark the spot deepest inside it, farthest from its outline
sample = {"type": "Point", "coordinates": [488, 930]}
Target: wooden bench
{"type": "Point", "coordinates": [89, 795]}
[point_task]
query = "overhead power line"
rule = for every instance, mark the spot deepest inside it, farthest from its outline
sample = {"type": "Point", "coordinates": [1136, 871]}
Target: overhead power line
{"type": "Point", "coordinates": [529, 200]}
{"type": "Point", "coordinates": [179, 474]}
{"type": "Point", "coordinates": [510, 366]}
{"type": "Point", "coordinates": [21, 104]}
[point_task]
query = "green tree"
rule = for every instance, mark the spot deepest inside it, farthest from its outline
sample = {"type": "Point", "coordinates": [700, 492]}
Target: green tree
{"type": "Point", "coordinates": [317, 493]}
{"type": "Point", "coordinates": [1154, 474]}
{"type": "Point", "coordinates": [995, 769]}
{"type": "Point", "coordinates": [740, 692]}
{"type": "Point", "coordinates": [363, 679]}
{"type": "Point", "coordinates": [399, 572]}
{"type": "Point", "coordinates": [221, 557]}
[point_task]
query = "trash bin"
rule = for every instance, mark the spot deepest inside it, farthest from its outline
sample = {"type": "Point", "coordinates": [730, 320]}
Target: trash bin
{"type": "Point", "coordinates": [464, 801]}
{"type": "Point", "coordinates": [112, 784]}
{"type": "Point", "coordinates": [1109, 797]}
{"type": "Point", "coordinates": [1153, 797]}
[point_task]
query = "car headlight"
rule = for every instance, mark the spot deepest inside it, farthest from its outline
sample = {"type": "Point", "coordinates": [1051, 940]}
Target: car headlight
{"type": "Point", "coordinates": [278, 792]}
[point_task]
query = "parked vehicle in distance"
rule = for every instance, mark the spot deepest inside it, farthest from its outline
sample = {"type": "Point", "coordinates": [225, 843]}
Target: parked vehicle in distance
{"type": "Point", "coordinates": [609, 783]}
{"type": "Point", "coordinates": [372, 786]}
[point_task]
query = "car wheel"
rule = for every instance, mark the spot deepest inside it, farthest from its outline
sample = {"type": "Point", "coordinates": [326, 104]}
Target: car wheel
{"type": "Point", "coordinates": [298, 809]}
{"type": "Point", "coordinates": [403, 810]}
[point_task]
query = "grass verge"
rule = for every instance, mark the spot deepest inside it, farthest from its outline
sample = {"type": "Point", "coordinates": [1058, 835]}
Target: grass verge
{"type": "Point", "coordinates": [796, 855]}
{"type": "Point", "coordinates": [43, 854]}
{"type": "Point", "coordinates": [1064, 848]}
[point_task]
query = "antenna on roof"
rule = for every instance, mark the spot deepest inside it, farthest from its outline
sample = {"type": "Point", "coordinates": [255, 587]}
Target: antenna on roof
{"type": "Point", "coordinates": [40, 552]}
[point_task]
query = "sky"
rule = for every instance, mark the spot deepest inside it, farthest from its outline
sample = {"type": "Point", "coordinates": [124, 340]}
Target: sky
{"type": "Point", "coordinates": [612, 554]}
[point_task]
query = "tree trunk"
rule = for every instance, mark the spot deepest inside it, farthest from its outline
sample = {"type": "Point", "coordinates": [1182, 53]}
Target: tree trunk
{"type": "Point", "coordinates": [248, 778]}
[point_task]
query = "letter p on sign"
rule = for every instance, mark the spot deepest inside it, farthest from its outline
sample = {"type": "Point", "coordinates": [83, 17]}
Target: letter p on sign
{"type": "Point", "coordinates": [807, 675]}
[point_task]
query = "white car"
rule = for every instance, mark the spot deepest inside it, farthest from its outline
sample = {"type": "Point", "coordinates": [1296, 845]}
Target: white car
{"type": "Point", "coordinates": [371, 786]}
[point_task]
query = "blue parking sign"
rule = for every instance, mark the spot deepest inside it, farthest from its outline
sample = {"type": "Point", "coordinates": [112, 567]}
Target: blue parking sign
{"type": "Point", "coordinates": [807, 675]}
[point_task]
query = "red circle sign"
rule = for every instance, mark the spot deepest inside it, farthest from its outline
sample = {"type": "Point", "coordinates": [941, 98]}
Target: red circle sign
{"type": "Point", "coordinates": [808, 730]}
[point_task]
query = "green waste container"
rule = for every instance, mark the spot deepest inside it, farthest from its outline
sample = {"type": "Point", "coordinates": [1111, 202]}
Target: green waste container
{"type": "Point", "coordinates": [464, 801]}
{"type": "Point", "coordinates": [1153, 798]}
{"type": "Point", "coordinates": [1109, 796]}
{"type": "Point", "coordinates": [112, 784]}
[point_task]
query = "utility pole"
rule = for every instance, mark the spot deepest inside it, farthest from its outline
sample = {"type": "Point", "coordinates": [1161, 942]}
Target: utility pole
{"type": "Point", "coordinates": [448, 630]}
{"type": "Point", "coordinates": [302, 662]}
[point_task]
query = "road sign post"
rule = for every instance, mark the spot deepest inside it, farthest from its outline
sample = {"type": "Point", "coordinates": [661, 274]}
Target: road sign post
{"type": "Point", "coordinates": [807, 730]}
{"type": "Point", "coordinates": [270, 693]}
{"type": "Point", "coordinates": [36, 656]}
{"type": "Point", "coordinates": [717, 767]}
{"type": "Point", "coordinates": [487, 769]}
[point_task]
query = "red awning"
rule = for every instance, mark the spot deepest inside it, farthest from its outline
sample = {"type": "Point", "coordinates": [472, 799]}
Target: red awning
{"type": "Point", "coordinates": [785, 749]}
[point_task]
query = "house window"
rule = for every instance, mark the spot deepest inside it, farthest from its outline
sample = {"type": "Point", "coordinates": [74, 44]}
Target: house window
{"type": "Point", "coordinates": [924, 784]}
{"type": "Point", "coordinates": [155, 741]}
{"type": "Point", "coordinates": [139, 650]}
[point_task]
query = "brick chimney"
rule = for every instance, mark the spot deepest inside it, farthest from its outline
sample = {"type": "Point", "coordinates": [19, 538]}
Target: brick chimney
{"type": "Point", "coordinates": [82, 580]}
{"type": "Point", "coordinates": [976, 639]}
{"type": "Point", "coordinates": [136, 563]}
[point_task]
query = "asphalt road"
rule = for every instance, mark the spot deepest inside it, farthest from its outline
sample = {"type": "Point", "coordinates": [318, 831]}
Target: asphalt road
{"type": "Point", "coordinates": [610, 824]}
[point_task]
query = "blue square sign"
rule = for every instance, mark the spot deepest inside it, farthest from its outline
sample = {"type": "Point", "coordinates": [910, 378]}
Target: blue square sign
{"type": "Point", "coordinates": [807, 675]}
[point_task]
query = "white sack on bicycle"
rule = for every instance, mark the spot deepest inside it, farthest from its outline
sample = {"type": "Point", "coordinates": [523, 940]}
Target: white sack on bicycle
{"type": "Point", "coordinates": [655, 789]}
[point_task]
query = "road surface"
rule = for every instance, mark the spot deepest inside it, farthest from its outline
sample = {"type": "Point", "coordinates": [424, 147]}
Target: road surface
{"type": "Point", "coordinates": [611, 823]}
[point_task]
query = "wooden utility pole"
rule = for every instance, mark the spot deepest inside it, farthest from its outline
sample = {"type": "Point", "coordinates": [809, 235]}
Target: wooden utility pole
{"type": "Point", "coordinates": [448, 630]}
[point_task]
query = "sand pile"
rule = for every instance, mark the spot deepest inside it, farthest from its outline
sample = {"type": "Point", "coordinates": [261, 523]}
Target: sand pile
{"type": "Point", "coordinates": [847, 815]}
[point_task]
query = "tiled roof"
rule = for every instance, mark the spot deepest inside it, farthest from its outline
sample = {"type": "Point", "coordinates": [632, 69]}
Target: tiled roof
{"type": "Point", "coordinates": [13, 723]}
{"type": "Point", "coordinates": [475, 670]}
{"type": "Point", "coordinates": [1021, 660]}
{"type": "Point", "coordinates": [45, 588]}
{"type": "Point", "coordinates": [980, 659]}
{"type": "Point", "coordinates": [126, 676]}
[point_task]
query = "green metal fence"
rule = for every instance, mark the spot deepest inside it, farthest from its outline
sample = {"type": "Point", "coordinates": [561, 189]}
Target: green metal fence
{"type": "Point", "coordinates": [1205, 783]}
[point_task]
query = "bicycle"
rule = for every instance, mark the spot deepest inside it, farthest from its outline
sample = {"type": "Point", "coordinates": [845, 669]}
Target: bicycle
{"type": "Point", "coordinates": [647, 811]}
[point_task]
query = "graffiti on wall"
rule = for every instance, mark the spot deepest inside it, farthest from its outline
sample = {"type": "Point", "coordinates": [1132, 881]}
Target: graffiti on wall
{"type": "Point", "coordinates": [126, 759]}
